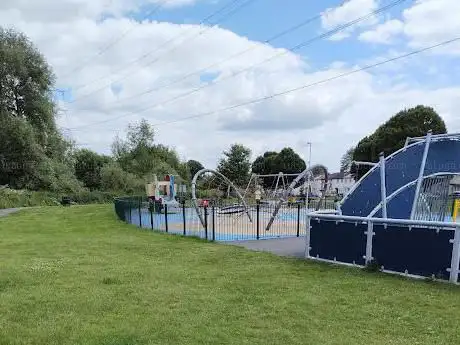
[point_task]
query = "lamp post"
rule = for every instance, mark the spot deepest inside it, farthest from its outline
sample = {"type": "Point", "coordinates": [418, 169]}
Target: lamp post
{"type": "Point", "coordinates": [308, 174]}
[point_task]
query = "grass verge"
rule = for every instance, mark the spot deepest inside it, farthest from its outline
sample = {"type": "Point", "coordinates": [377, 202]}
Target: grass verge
{"type": "Point", "coordinates": [79, 276]}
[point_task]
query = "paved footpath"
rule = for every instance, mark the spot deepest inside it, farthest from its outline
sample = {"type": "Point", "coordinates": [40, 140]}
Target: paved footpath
{"type": "Point", "coordinates": [7, 211]}
{"type": "Point", "coordinates": [294, 246]}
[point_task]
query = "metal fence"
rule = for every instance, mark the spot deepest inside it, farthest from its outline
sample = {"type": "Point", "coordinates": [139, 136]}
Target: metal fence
{"type": "Point", "coordinates": [221, 223]}
{"type": "Point", "coordinates": [411, 247]}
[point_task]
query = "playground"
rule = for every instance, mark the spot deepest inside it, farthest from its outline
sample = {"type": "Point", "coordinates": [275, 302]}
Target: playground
{"type": "Point", "coordinates": [400, 217]}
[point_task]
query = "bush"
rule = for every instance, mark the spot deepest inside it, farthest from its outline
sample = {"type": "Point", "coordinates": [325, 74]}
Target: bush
{"type": "Point", "coordinates": [10, 198]}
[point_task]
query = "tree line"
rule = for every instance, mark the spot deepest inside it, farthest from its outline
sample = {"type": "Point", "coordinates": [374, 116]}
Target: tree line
{"type": "Point", "coordinates": [35, 155]}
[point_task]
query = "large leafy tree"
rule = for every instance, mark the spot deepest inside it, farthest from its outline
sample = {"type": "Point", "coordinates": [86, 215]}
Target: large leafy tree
{"type": "Point", "coordinates": [33, 153]}
{"type": "Point", "coordinates": [88, 165]}
{"type": "Point", "coordinates": [236, 164]}
{"type": "Point", "coordinates": [286, 161]}
{"type": "Point", "coordinates": [193, 167]}
{"type": "Point", "coordinates": [26, 83]}
{"type": "Point", "coordinates": [138, 154]}
{"type": "Point", "coordinates": [391, 135]}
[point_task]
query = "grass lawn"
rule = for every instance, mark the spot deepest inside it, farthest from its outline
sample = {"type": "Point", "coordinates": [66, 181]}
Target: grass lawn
{"type": "Point", "coordinates": [79, 276]}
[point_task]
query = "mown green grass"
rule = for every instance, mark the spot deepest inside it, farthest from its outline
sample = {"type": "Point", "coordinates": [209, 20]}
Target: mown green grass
{"type": "Point", "coordinates": [78, 276]}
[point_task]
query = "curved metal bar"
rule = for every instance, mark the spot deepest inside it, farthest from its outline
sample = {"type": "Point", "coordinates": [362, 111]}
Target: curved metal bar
{"type": "Point", "coordinates": [230, 183]}
{"type": "Point", "coordinates": [407, 185]}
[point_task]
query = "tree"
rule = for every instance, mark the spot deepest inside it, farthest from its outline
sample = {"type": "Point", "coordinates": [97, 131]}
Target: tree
{"type": "Point", "coordinates": [26, 83]}
{"type": "Point", "coordinates": [33, 153]}
{"type": "Point", "coordinates": [193, 167]}
{"type": "Point", "coordinates": [138, 154]}
{"type": "Point", "coordinates": [88, 165]}
{"type": "Point", "coordinates": [236, 164]}
{"type": "Point", "coordinates": [346, 160]}
{"type": "Point", "coordinates": [391, 135]}
{"type": "Point", "coordinates": [286, 161]}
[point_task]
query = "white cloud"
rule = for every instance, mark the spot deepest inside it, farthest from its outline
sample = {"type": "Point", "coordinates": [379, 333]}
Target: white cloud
{"type": "Point", "coordinates": [429, 22]}
{"type": "Point", "coordinates": [347, 12]}
{"type": "Point", "coordinates": [65, 10]}
{"type": "Point", "coordinates": [383, 33]}
{"type": "Point", "coordinates": [425, 23]}
{"type": "Point", "coordinates": [333, 115]}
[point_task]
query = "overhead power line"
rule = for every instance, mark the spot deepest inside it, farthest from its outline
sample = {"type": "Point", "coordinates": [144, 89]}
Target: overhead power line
{"type": "Point", "coordinates": [116, 40]}
{"type": "Point", "coordinates": [298, 46]}
{"type": "Point", "coordinates": [215, 64]}
{"type": "Point", "coordinates": [305, 86]}
{"type": "Point", "coordinates": [193, 36]}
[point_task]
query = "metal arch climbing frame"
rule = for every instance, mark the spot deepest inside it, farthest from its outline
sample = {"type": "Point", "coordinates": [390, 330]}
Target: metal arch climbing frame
{"type": "Point", "coordinates": [289, 190]}
{"type": "Point", "coordinates": [225, 178]}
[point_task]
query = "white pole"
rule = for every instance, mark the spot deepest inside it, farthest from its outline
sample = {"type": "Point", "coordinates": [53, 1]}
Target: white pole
{"type": "Point", "coordinates": [308, 174]}
{"type": "Point", "coordinates": [420, 174]}
{"type": "Point", "coordinates": [383, 188]}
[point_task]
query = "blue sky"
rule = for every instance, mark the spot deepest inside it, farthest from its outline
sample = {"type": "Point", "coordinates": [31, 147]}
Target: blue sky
{"type": "Point", "coordinates": [307, 115]}
{"type": "Point", "coordinates": [262, 19]}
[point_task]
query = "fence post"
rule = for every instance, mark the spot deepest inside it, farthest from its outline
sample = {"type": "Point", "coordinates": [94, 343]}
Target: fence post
{"type": "Point", "coordinates": [257, 220]}
{"type": "Point", "coordinates": [213, 223]}
{"type": "Point", "coordinates": [183, 216]}
{"type": "Point", "coordinates": [455, 261]}
{"type": "Point", "coordinates": [140, 217]}
{"type": "Point", "coordinates": [298, 220]}
{"type": "Point", "coordinates": [130, 211]}
{"type": "Point", "coordinates": [206, 222]}
{"type": "Point", "coordinates": [166, 217]}
{"type": "Point", "coordinates": [307, 237]}
{"type": "Point", "coordinates": [151, 216]}
{"type": "Point", "coordinates": [369, 235]}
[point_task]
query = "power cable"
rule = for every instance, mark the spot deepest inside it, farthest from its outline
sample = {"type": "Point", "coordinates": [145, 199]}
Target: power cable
{"type": "Point", "coordinates": [298, 46]}
{"type": "Point", "coordinates": [115, 41]}
{"type": "Point", "coordinates": [204, 69]}
{"type": "Point", "coordinates": [322, 81]}
{"type": "Point", "coordinates": [164, 44]}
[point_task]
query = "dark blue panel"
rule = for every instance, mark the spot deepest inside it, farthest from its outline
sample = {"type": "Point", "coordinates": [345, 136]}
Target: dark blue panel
{"type": "Point", "coordinates": [420, 251]}
{"type": "Point", "coordinates": [346, 242]}
{"type": "Point", "coordinates": [401, 205]}
{"type": "Point", "coordinates": [443, 156]}
{"type": "Point", "coordinates": [400, 170]}
{"type": "Point", "coordinates": [404, 167]}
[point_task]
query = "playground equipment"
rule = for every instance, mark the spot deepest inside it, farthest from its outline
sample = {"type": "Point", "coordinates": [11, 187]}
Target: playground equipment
{"type": "Point", "coordinates": [401, 216]}
{"type": "Point", "coordinates": [161, 193]}
{"type": "Point", "coordinates": [269, 194]}
{"type": "Point", "coordinates": [308, 174]}
{"type": "Point", "coordinates": [221, 180]}
{"type": "Point", "coordinates": [412, 183]}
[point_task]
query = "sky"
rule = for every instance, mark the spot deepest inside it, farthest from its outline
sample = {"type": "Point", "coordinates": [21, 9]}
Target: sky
{"type": "Point", "coordinates": [267, 74]}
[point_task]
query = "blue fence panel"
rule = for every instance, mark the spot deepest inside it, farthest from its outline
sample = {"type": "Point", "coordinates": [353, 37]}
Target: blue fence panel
{"type": "Point", "coordinates": [420, 251]}
{"type": "Point", "coordinates": [344, 242]}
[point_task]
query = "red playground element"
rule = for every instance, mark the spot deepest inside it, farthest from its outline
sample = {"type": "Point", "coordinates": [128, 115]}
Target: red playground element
{"type": "Point", "coordinates": [204, 203]}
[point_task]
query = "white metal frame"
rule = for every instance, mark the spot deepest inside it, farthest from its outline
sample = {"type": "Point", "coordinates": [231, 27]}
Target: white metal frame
{"type": "Point", "coordinates": [420, 174]}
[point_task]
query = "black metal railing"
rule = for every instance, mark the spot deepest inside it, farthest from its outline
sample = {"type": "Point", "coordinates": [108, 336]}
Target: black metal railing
{"type": "Point", "coordinates": [221, 221]}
